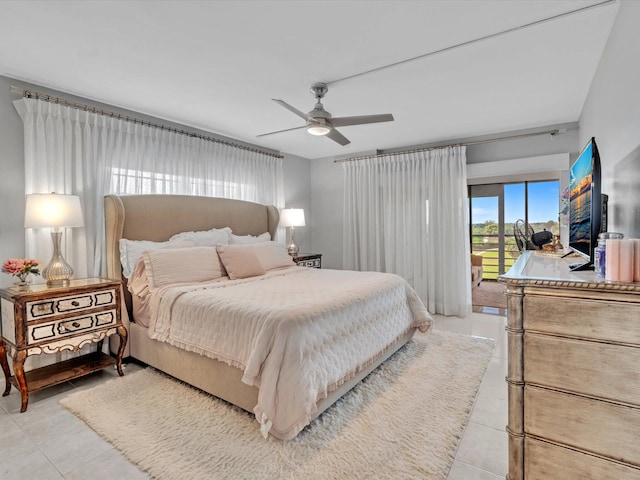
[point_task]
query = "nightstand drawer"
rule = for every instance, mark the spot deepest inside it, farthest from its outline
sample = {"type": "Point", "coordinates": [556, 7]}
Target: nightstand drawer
{"type": "Point", "coordinates": [314, 263]}
{"type": "Point", "coordinates": [312, 260]}
{"type": "Point", "coordinates": [73, 303]}
{"type": "Point", "coordinates": [45, 332]}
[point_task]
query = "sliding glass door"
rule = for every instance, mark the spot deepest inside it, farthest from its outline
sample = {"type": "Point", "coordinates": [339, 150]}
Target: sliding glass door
{"type": "Point", "coordinates": [493, 210]}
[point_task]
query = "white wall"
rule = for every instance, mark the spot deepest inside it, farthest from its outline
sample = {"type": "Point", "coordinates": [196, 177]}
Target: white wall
{"type": "Point", "coordinates": [11, 180]}
{"type": "Point", "coordinates": [611, 114]}
{"type": "Point", "coordinates": [12, 195]}
{"type": "Point", "coordinates": [297, 178]}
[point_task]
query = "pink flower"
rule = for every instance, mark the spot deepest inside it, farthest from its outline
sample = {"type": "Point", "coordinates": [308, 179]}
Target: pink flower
{"type": "Point", "coordinates": [20, 266]}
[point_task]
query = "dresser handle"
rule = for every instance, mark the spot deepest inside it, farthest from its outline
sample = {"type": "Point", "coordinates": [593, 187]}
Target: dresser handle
{"type": "Point", "coordinates": [76, 324]}
{"type": "Point", "coordinates": [75, 303]}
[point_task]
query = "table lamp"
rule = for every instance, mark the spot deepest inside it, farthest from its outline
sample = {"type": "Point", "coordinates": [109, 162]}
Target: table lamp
{"type": "Point", "coordinates": [292, 217]}
{"type": "Point", "coordinates": [55, 211]}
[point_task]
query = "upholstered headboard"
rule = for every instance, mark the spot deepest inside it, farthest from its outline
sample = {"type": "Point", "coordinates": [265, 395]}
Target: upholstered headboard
{"type": "Point", "coordinates": [158, 217]}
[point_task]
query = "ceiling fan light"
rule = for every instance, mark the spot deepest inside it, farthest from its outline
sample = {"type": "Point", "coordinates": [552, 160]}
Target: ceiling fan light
{"type": "Point", "coordinates": [318, 129]}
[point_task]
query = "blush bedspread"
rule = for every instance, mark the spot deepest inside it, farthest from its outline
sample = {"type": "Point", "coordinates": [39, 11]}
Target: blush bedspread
{"type": "Point", "coordinates": [296, 333]}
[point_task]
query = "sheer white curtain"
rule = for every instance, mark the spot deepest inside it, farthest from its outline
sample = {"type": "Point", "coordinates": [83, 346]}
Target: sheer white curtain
{"type": "Point", "coordinates": [73, 151]}
{"type": "Point", "coordinates": [407, 214]}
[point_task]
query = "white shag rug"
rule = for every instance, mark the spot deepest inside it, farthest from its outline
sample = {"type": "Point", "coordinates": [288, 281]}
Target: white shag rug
{"type": "Point", "coordinates": [404, 421]}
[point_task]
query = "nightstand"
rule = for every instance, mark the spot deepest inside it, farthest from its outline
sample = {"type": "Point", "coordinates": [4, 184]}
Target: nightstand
{"type": "Point", "coordinates": [54, 319]}
{"type": "Point", "coordinates": [312, 260]}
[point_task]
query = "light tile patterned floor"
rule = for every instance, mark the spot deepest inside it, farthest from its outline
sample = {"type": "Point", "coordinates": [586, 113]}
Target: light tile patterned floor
{"type": "Point", "coordinates": [49, 443]}
{"type": "Point", "coordinates": [482, 453]}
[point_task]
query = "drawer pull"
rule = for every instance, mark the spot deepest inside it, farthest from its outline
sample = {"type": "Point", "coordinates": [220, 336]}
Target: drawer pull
{"type": "Point", "coordinates": [76, 324]}
{"type": "Point", "coordinates": [75, 303]}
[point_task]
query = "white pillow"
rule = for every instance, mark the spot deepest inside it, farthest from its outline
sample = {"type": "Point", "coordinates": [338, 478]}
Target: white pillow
{"type": "Point", "coordinates": [131, 250]}
{"type": "Point", "coordinates": [248, 239]}
{"type": "Point", "coordinates": [206, 238]}
{"type": "Point", "coordinates": [181, 265]}
{"type": "Point", "coordinates": [272, 255]}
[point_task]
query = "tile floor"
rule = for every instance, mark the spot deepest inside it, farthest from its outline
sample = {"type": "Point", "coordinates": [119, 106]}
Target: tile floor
{"type": "Point", "coordinates": [49, 443]}
{"type": "Point", "coordinates": [483, 452]}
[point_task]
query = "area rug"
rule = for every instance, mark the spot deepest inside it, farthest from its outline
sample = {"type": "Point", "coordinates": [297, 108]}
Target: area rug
{"type": "Point", "coordinates": [490, 294]}
{"type": "Point", "coordinates": [404, 421]}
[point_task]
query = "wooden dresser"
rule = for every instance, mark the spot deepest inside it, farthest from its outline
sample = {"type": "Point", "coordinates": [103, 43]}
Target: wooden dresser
{"type": "Point", "coordinates": [573, 373]}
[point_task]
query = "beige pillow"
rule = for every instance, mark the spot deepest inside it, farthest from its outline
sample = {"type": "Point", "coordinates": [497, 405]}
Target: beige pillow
{"type": "Point", "coordinates": [272, 255]}
{"type": "Point", "coordinates": [181, 265]}
{"type": "Point", "coordinates": [240, 261]}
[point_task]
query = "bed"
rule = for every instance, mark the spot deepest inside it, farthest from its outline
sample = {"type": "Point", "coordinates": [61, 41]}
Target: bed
{"type": "Point", "coordinates": [250, 381]}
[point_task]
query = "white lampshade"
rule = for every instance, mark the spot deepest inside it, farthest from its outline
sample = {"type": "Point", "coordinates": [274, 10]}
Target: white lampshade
{"type": "Point", "coordinates": [292, 217]}
{"type": "Point", "coordinates": [53, 210]}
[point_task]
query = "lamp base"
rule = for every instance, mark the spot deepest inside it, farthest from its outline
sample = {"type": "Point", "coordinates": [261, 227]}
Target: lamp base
{"type": "Point", "coordinates": [293, 249]}
{"type": "Point", "coordinates": [58, 272]}
{"type": "Point", "coordinates": [58, 283]}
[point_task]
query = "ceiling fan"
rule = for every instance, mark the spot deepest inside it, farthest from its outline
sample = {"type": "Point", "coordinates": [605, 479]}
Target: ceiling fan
{"type": "Point", "coordinates": [320, 122]}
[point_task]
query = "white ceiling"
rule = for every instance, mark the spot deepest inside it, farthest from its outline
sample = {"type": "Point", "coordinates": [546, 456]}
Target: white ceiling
{"type": "Point", "coordinates": [216, 65]}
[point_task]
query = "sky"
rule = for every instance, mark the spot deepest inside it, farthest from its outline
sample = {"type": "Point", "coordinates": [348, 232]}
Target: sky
{"type": "Point", "coordinates": [543, 203]}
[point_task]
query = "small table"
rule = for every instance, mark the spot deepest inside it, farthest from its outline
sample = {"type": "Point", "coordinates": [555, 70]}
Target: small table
{"type": "Point", "coordinates": [312, 260]}
{"type": "Point", "coordinates": [54, 319]}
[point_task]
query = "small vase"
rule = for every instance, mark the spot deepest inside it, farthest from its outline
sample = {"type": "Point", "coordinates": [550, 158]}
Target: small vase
{"type": "Point", "coordinates": [23, 282]}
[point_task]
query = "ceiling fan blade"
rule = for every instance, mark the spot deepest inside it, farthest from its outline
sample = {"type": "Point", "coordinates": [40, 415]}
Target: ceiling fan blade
{"type": "Point", "coordinates": [336, 136]}
{"type": "Point", "coordinates": [292, 109]}
{"type": "Point", "coordinates": [361, 119]}
{"type": "Point", "coordinates": [280, 131]}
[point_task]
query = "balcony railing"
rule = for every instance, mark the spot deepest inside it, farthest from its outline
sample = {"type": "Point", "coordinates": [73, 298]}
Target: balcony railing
{"type": "Point", "coordinates": [488, 247]}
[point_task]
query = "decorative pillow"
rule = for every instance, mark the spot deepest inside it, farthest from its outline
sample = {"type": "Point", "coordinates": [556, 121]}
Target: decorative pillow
{"type": "Point", "coordinates": [247, 239]}
{"type": "Point", "coordinates": [206, 238]}
{"type": "Point", "coordinates": [138, 283]}
{"type": "Point", "coordinates": [181, 265]}
{"type": "Point", "coordinates": [240, 261]}
{"type": "Point", "coordinates": [272, 255]}
{"type": "Point", "coordinates": [131, 250]}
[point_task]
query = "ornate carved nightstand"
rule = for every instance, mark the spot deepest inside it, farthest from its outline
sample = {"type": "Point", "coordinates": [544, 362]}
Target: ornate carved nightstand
{"type": "Point", "coordinates": [54, 319]}
{"type": "Point", "coordinates": [312, 260]}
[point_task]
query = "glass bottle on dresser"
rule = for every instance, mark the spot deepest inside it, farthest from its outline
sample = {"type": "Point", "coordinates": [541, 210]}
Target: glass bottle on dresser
{"type": "Point", "coordinates": [600, 255]}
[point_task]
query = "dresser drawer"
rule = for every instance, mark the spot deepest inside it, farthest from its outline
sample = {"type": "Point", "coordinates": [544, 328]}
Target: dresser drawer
{"type": "Point", "coordinates": [69, 304]}
{"type": "Point", "coordinates": [544, 461]}
{"type": "Point", "coordinates": [45, 332]}
{"type": "Point", "coordinates": [582, 318]}
{"type": "Point", "coordinates": [596, 426]}
{"type": "Point", "coordinates": [591, 368]}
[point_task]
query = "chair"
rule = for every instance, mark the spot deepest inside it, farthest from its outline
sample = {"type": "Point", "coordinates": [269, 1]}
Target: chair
{"type": "Point", "coordinates": [476, 270]}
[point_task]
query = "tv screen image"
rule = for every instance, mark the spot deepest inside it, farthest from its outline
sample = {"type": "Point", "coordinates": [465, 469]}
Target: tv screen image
{"type": "Point", "coordinates": [585, 203]}
{"type": "Point", "coordinates": [580, 179]}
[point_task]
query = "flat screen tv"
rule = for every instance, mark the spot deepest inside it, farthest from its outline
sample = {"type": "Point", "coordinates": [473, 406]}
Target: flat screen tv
{"type": "Point", "coordinates": [585, 204]}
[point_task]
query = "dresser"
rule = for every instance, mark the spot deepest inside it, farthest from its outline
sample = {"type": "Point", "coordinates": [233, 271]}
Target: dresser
{"type": "Point", "coordinates": [313, 260]}
{"type": "Point", "coordinates": [44, 320]}
{"type": "Point", "coordinates": [573, 373]}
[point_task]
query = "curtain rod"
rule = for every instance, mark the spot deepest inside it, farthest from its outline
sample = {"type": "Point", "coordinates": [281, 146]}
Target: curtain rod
{"type": "Point", "coordinates": [126, 118]}
{"type": "Point", "coordinates": [464, 144]}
